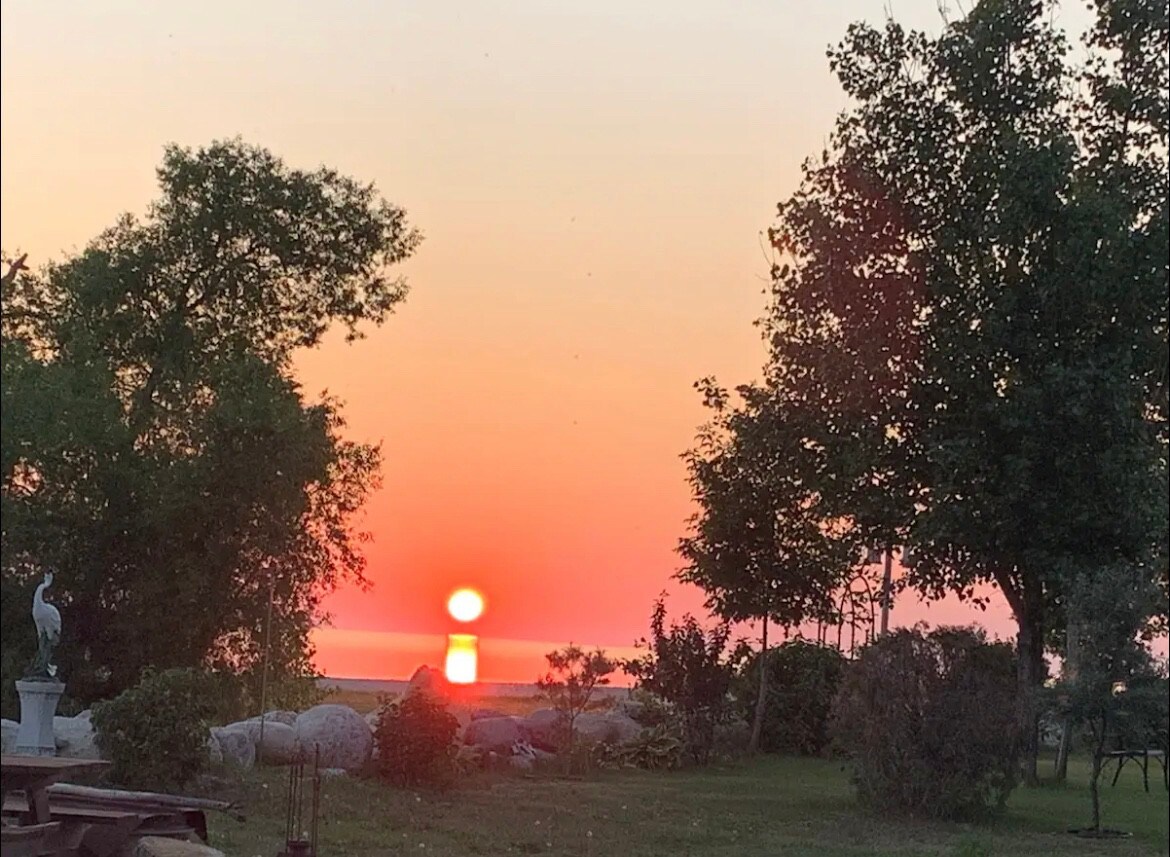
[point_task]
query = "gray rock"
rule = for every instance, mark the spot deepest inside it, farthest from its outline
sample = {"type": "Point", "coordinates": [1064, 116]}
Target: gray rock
{"type": "Point", "coordinates": [545, 729]}
{"type": "Point", "coordinates": [214, 751]}
{"type": "Point", "coordinates": [610, 726]}
{"type": "Point", "coordinates": [288, 718]}
{"type": "Point", "coordinates": [632, 708]}
{"type": "Point", "coordinates": [340, 733]}
{"type": "Point", "coordinates": [279, 740]}
{"type": "Point", "coordinates": [372, 719]}
{"type": "Point", "coordinates": [495, 733]}
{"type": "Point", "coordinates": [75, 736]}
{"type": "Point", "coordinates": [8, 729]}
{"type": "Point", "coordinates": [236, 747]}
{"type": "Point", "coordinates": [522, 763]}
{"type": "Point", "coordinates": [486, 713]}
{"type": "Point", "coordinates": [158, 846]}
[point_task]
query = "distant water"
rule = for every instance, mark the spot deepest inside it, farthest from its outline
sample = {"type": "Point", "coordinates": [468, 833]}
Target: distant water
{"type": "Point", "coordinates": [485, 688]}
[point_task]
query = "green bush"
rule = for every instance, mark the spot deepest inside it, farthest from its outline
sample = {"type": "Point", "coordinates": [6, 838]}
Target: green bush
{"type": "Point", "coordinates": [657, 748]}
{"type": "Point", "coordinates": [686, 665]}
{"type": "Point", "coordinates": [415, 738]}
{"type": "Point", "coordinates": [803, 679]}
{"type": "Point", "coordinates": [156, 733]}
{"type": "Point", "coordinates": [928, 721]}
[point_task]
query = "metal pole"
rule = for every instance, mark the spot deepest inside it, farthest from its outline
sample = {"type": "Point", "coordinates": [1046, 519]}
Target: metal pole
{"type": "Point", "coordinates": [264, 674]}
{"type": "Point", "coordinates": [887, 573]}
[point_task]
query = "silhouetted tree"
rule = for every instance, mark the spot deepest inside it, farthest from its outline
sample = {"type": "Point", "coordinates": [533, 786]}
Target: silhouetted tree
{"type": "Point", "coordinates": [156, 448]}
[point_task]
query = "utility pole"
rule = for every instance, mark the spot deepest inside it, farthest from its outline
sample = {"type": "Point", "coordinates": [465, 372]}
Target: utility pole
{"type": "Point", "coordinates": [887, 579]}
{"type": "Point", "coordinates": [264, 674]}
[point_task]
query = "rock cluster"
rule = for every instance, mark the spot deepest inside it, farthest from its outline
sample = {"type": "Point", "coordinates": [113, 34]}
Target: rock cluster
{"type": "Point", "coordinates": [341, 740]}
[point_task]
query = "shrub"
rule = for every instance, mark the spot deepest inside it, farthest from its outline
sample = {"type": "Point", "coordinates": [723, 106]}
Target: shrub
{"type": "Point", "coordinates": [657, 748]}
{"type": "Point", "coordinates": [928, 723]}
{"type": "Point", "coordinates": [803, 679]}
{"type": "Point", "coordinates": [415, 737]}
{"type": "Point", "coordinates": [155, 733]}
{"type": "Point", "coordinates": [686, 666]}
{"type": "Point", "coordinates": [649, 709]}
{"type": "Point", "coordinates": [568, 685]}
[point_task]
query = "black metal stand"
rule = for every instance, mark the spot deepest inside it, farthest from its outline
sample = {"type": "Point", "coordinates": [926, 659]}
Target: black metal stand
{"type": "Point", "coordinates": [299, 842]}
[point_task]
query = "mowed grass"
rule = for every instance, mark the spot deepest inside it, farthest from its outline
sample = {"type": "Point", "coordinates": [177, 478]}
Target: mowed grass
{"type": "Point", "coordinates": [771, 806]}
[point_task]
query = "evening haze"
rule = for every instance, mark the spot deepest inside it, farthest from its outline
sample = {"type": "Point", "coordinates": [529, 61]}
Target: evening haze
{"type": "Point", "coordinates": [591, 179]}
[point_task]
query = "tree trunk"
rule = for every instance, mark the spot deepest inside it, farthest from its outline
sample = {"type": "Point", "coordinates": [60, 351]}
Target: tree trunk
{"type": "Point", "coordinates": [1060, 773]}
{"type": "Point", "coordinates": [1030, 649]}
{"type": "Point", "coordinates": [762, 696]}
{"type": "Point", "coordinates": [1071, 659]}
{"type": "Point", "coordinates": [1095, 775]}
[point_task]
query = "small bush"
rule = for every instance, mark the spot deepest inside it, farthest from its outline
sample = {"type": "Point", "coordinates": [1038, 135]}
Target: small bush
{"type": "Point", "coordinates": [415, 738]}
{"type": "Point", "coordinates": [732, 739]}
{"type": "Point", "coordinates": [568, 685]}
{"type": "Point", "coordinates": [928, 722]}
{"type": "Point", "coordinates": [155, 733]}
{"type": "Point", "coordinates": [687, 666]}
{"type": "Point", "coordinates": [803, 679]}
{"type": "Point", "coordinates": [649, 709]}
{"type": "Point", "coordinates": [658, 748]}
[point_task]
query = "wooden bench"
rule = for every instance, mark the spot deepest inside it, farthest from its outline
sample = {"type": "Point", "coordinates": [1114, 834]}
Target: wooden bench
{"type": "Point", "coordinates": [31, 840]}
{"type": "Point", "coordinates": [94, 831]}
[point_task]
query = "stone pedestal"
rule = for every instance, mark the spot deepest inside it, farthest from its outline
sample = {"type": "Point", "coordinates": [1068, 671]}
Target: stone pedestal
{"type": "Point", "coordinates": [38, 704]}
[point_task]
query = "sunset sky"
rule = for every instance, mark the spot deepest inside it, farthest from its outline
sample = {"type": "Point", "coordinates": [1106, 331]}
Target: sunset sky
{"type": "Point", "coordinates": [591, 178]}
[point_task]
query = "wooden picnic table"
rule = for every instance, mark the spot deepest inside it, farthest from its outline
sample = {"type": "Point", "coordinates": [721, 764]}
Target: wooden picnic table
{"type": "Point", "coordinates": [34, 774]}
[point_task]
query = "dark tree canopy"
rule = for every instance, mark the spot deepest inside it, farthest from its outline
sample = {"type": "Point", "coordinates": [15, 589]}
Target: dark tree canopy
{"type": "Point", "coordinates": [157, 449]}
{"type": "Point", "coordinates": [969, 304]}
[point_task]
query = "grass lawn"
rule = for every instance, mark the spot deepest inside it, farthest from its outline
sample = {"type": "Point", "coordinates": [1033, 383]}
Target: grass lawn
{"type": "Point", "coordinates": [773, 806]}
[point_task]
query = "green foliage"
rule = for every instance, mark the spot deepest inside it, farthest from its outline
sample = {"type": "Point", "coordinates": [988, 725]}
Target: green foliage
{"type": "Point", "coordinates": [1112, 688]}
{"type": "Point", "coordinates": [968, 317]}
{"type": "Point", "coordinates": [415, 737]}
{"type": "Point", "coordinates": [926, 721]}
{"type": "Point", "coordinates": [568, 685]}
{"type": "Point", "coordinates": [802, 683]}
{"type": "Point", "coordinates": [658, 748]}
{"type": "Point", "coordinates": [761, 546]}
{"type": "Point", "coordinates": [687, 667]}
{"type": "Point", "coordinates": [157, 450]}
{"type": "Point", "coordinates": [156, 733]}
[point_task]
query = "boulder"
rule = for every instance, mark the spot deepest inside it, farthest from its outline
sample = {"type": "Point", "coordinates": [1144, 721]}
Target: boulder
{"type": "Point", "coordinates": [8, 729]}
{"type": "Point", "coordinates": [609, 726]}
{"type": "Point", "coordinates": [371, 717]}
{"type": "Point", "coordinates": [632, 708]}
{"type": "Point", "coordinates": [236, 747]}
{"type": "Point", "coordinates": [429, 680]}
{"type": "Point", "coordinates": [159, 846]}
{"type": "Point", "coordinates": [280, 740]}
{"type": "Point", "coordinates": [288, 718]}
{"type": "Point", "coordinates": [495, 733]}
{"type": "Point", "coordinates": [340, 733]}
{"type": "Point", "coordinates": [544, 728]}
{"type": "Point", "coordinates": [75, 736]}
{"type": "Point", "coordinates": [485, 713]}
{"type": "Point", "coordinates": [214, 751]}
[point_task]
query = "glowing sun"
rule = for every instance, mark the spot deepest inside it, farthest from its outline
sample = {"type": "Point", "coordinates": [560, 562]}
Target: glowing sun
{"type": "Point", "coordinates": [465, 605]}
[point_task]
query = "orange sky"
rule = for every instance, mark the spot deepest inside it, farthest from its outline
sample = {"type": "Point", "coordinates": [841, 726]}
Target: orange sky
{"type": "Point", "coordinates": [591, 178]}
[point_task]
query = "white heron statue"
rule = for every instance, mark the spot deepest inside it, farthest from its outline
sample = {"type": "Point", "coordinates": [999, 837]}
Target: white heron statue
{"type": "Point", "coordinates": [48, 622]}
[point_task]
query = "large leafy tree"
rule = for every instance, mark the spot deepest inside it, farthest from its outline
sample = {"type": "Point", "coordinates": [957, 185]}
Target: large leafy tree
{"type": "Point", "coordinates": [970, 300]}
{"type": "Point", "coordinates": [762, 545]}
{"type": "Point", "coordinates": [157, 449]}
